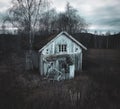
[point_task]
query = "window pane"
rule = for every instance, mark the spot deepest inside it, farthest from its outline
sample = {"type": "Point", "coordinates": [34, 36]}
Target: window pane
{"type": "Point", "coordinates": [63, 48]}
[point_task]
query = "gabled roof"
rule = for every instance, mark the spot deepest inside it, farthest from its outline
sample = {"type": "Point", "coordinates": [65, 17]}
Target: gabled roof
{"type": "Point", "coordinates": [66, 34]}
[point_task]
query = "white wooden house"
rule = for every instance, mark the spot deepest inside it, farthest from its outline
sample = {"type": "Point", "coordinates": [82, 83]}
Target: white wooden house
{"type": "Point", "coordinates": [61, 57]}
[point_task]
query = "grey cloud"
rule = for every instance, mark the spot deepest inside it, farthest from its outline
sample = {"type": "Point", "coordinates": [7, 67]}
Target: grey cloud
{"type": "Point", "coordinates": [3, 5]}
{"type": "Point", "coordinates": [105, 13]}
{"type": "Point", "coordinates": [107, 16]}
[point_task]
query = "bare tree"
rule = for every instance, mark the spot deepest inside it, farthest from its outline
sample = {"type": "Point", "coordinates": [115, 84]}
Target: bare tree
{"type": "Point", "coordinates": [48, 20]}
{"type": "Point", "coordinates": [25, 14]}
{"type": "Point", "coordinates": [71, 21]}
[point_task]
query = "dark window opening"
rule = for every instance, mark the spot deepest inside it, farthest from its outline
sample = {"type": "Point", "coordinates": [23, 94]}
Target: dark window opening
{"type": "Point", "coordinates": [47, 51]}
{"type": "Point", "coordinates": [63, 48]}
{"type": "Point", "coordinates": [76, 49]}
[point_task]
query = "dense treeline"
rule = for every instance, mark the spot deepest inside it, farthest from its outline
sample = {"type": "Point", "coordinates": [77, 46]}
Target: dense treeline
{"type": "Point", "coordinates": [98, 41]}
{"type": "Point", "coordinates": [10, 41]}
{"type": "Point", "coordinates": [16, 42]}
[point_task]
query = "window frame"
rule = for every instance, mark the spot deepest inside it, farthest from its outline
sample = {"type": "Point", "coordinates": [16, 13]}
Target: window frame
{"type": "Point", "coordinates": [62, 47]}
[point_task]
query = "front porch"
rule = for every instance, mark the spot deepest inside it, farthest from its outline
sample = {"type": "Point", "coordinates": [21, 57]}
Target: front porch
{"type": "Point", "coordinates": [58, 67]}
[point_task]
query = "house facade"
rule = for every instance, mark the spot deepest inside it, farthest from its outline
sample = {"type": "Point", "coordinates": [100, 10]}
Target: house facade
{"type": "Point", "coordinates": [61, 57]}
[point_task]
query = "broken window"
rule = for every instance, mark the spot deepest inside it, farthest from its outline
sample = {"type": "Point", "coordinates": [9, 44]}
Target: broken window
{"type": "Point", "coordinates": [62, 48]}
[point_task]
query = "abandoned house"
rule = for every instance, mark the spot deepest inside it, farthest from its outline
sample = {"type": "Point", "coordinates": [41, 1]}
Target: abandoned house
{"type": "Point", "coordinates": [60, 57]}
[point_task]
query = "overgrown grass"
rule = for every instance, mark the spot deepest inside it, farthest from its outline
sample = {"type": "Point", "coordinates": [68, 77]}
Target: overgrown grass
{"type": "Point", "coordinates": [97, 87]}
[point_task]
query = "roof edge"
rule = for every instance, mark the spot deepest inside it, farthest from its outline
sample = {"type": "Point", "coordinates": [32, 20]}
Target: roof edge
{"type": "Point", "coordinates": [64, 32]}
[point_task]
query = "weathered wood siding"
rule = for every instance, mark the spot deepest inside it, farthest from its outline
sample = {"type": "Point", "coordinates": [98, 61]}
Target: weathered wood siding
{"type": "Point", "coordinates": [52, 48]}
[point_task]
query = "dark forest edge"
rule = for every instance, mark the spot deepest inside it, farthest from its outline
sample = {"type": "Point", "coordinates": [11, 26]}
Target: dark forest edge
{"type": "Point", "coordinates": [10, 42]}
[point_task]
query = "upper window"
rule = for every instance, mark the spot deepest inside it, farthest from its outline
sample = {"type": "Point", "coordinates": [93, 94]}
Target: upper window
{"type": "Point", "coordinates": [62, 48]}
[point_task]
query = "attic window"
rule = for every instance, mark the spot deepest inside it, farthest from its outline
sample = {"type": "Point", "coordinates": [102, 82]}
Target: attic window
{"type": "Point", "coordinates": [62, 48]}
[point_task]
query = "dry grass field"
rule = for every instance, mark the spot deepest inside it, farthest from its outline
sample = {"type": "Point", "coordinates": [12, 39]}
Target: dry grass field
{"type": "Point", "coordinates": [96, 87]}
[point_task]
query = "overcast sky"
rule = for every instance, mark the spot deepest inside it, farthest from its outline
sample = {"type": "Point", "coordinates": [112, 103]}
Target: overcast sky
{"type": "Point", "coordinates": [102, 15]}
